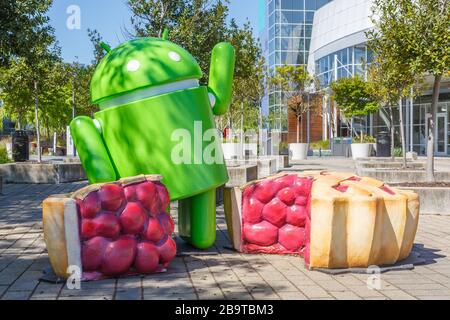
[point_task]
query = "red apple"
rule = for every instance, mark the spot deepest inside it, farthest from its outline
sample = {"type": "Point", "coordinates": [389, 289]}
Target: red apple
{"type": "Point", "coordinates": [301, 201]}
{"type": "Point", "coordinates": [287, 195]}
{"type": "Point", "coordinates": [164, 197]}
{"type": "Point", "coordinates": [262, 234]}
{"type": "Point", "coordinates": [292, 237]}
{"type": "Point", "coordinates": [248, 192]}
{"type": "Point", "coordinates": [147, 194]}
{"type": "Point", "coordinates": [111, 197]}
{"type": "Point", "coordinates": [266, 191]}
{"type": "Point", "coordinates": [275, 212]}
{"type": "Point", "coordinates": [107, 225]}
{"type": "Point", "coordinates": [147, 258]}
{"type": "Point", "coordinates": [90, 206]}
{"type": "Point", "coordinates": [130, 193]}
{"type": "Point", "coordinates": [297, 215]}
{"type": "Point", "coordinates": [286, 181]}
{"type": "Point", "coordinates": [167, 250]}
{"type": "Point", "coordinates": [154, 231]}
{"type": "Point", "coordinates": [302, 186]}
{"type": "Point", "coordinates": [119, 256]}
{"type": "Point", "coordinates": [252, 210]}
{"type": "Point", "coordinates": [166, 222]}
{"type": "Point", "coordinates": [133, 218]}
{"type": "Point", "coordinates": [88, 229]}
{"type": "Point", "coordinates": [92, 253]}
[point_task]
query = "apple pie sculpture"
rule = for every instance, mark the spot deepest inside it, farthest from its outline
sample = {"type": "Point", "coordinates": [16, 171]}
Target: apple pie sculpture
{"type": "Point", "coordinates": [333, 220]}
{"type": "Point", "coordinates": [109, 230]}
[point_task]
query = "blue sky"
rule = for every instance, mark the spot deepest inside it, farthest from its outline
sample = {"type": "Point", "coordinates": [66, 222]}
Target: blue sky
{"type": "Point", "coordinates": [111, 18]}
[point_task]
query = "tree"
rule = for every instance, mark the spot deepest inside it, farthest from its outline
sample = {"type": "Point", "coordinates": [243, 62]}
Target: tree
{"type": "Point", "coordinates": [296, 84]}
{"type": "Point", "coordinates": [390, 81]}
{"type": "Point", "coordinates": [23, 25]}
{"type": "Point", "coordinates": [417, 33]}
{"type": "Point", "coordinates": [248, 89]}
{"type": "Point", "coordinates": [196, 25]}
{"type": "Point", "coordinates": [16, 93]}
{"type": "Point", "coordinates": [27, 43]}
{"type": "Point", "coordinates": [354, 98]}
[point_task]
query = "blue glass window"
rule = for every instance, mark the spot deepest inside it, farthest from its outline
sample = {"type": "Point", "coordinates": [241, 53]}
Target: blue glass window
{"type": "Point", "coordinates": [287, 4]}
{"type": "Point", "coordinates": [310, 4]}
{"type": "Point", "coordinates": [271, 6]}
{"type": "Point", "coordinates": [272, 19]}
{"type": "Point", "coordinates": [298, 5]}
{"type": "Point", "coordinates": [309, 17]}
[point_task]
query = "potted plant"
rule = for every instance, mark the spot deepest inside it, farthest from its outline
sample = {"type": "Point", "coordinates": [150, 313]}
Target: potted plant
{"type": "Point", "coordinates": [296, 84]}
{"type": "Point", "coordinates": [354, 98]}
{"type": "Point", "coordinates": [231, 149]}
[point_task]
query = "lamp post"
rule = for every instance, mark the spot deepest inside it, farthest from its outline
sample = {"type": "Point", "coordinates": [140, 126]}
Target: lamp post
{"type": "Point", "coordinates": [74, 106]}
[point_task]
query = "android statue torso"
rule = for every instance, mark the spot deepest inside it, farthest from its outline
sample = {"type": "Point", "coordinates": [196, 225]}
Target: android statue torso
{"type": "Point", "coordinates": [143, 136]}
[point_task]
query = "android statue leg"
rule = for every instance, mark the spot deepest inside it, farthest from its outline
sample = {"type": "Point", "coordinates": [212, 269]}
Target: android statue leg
{"type": "Point", "coordinates": [197, 219]}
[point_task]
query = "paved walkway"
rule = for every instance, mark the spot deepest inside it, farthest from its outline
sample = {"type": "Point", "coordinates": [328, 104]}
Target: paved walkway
{"type": "Point", "coordinates": [216, 274]}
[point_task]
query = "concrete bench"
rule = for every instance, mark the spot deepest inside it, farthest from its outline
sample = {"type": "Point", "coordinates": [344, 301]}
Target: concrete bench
{"type": "Point", "coordinates": [266, 167]}
{"type": "Point", "coordinates": [47, 173]}
{"type": "Point", "coordinates": [241, 174]}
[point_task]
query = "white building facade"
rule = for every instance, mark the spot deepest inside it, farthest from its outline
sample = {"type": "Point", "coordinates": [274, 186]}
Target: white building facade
{"type": "Point", "coordinates": [338, 49]}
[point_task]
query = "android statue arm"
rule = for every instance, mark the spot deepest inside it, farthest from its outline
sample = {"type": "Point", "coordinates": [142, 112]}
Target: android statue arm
{"type": "Point", "coordinates": [92, 150]}
{"type": "Point", "coordinates": [221, 77]}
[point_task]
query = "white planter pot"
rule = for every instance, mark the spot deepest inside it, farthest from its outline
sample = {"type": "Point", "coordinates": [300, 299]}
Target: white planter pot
{"type": "Point", "coordinates": [252, 149]}
{"type": "Point", "coordinates": [231, 150]}
{"type": "Point", "coordinates": [361, 150]}
{"type": "Point", "coordinates": [298, 151]}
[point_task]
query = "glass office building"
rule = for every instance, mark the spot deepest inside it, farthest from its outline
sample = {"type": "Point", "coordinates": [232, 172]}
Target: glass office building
{"type": "Point", "coordinates": [344, 63]}
{"type": "Point", "coordinates": [339, 50]}
{"type": "Point", "coordinates": [289, 26]}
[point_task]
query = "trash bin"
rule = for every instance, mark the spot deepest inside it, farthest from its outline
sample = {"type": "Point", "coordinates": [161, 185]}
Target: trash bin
{"type": "Point", "coordinates": [383, 144]}
{"type": "Point", "coordinates": [20, 146]}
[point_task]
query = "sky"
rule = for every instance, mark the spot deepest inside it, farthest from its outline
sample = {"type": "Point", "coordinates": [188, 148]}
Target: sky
{"type": "Point", "coordinates": [72, 18]}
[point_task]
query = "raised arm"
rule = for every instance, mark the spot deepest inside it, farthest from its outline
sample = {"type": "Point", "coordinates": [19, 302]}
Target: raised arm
{"type": "Point", "coordinates": [92, 151]}
{"type": "Point", "coordinates": [221, 77]}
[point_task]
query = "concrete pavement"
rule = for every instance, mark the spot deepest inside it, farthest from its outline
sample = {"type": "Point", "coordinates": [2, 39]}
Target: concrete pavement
{"type": "Point", "coordinates": [217, 274]}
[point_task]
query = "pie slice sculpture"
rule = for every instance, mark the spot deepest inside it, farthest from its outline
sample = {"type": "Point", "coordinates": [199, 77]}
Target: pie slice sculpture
{"type": "Point", "coordinates": [109, 230]}
{"type": "Point", "coordinates": [333, 220]}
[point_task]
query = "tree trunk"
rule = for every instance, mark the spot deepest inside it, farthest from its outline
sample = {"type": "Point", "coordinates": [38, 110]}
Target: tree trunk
{"type": "Point", "coordinates": [38, 133]}
{"type": "Point", "coordinates": [20, 121]}
{"type": "Point", "coordinates": [298, 129]}
{"type": "Point", "coordinates": [301, 128]}
{"type": "Point", "coordinates": [402, 131]}
{"type": "Point", "coordinates": [392, 131]}
{"type": "Point", "coordinates": [242, 131]}
{"type": "Point", "coordinates": [362, 135]}
{"type": "Point", "coordinates": [431, 129]}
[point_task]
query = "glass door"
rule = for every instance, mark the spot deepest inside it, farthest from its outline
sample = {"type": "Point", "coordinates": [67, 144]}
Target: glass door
{"type": "Point", "coordinates": [441, 134]}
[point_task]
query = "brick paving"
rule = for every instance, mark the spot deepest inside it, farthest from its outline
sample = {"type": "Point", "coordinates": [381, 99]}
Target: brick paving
{"type": "Point", "coordinates": [217, 274]}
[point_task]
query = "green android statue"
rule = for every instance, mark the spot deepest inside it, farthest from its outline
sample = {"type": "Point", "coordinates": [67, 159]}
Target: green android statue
{"type": "Point", "coordinates": [149, 95]}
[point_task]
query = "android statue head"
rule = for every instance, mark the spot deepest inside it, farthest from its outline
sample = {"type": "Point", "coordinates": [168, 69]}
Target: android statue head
{"type": "Point", "coordinates": [156, 64]}
{"type": "Point", "coordinates": [156, 118]}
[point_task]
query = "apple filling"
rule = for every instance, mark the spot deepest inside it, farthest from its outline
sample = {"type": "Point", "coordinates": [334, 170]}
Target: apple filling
{"type": "Point", "coordinates": [276, 216]}
{"type": "Point", "coordinates": [125, 230]}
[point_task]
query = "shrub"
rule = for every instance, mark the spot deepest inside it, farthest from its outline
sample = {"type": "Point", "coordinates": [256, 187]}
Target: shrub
{"type": "Point", "coordinates": [398, 152]}
{"type": "Point", "coordinates": [324, 145]}
{"type": "Point", "coordinates": [369, 139]}
{"type": "Point", "coordinates": [4, 154]}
